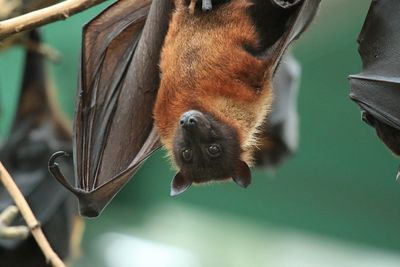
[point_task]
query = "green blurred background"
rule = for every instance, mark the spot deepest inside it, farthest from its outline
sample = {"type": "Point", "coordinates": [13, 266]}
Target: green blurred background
{"type": "Point", "coordinates": [336, 199]}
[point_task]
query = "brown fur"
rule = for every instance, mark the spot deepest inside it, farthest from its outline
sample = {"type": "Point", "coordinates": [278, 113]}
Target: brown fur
{"type": "Point", "coordinates": [205, 66]}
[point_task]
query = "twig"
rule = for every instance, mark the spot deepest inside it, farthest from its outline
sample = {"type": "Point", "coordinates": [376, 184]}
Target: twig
{"type": "Point", "coordinates": [8, 7]}
{"type": "Point", "coordinates": [11, 232]}
{"type": "Point", "coordinates": [44, 16]}
{"type": "Point", "coordinates": [30, 219]}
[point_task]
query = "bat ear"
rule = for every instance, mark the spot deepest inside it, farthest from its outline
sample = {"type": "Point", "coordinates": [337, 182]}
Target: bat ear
{"type": "Point", "coordinates": [179, 184]}
{"type": "Point", "coordinates": [242, 175]}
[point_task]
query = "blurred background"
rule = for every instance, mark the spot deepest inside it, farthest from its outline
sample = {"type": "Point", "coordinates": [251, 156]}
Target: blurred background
{"type": "Point", "coordinates": [334, 203]}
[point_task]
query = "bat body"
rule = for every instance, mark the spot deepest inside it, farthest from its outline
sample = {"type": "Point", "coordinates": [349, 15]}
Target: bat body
{"type": "Point", "coordinates": [216, 64]}
{"type": "Point", "coordinates": [278, 136]}
{"type": "Point", "coordinates": [377, 88]}
{"type": "Point", "coordinates": [214, 93]}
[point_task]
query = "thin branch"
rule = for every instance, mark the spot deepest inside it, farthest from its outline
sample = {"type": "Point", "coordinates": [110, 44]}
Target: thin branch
{"type": "Point", "coordinates": [30, 219]}
{"type": "Point", "coordinates": [34, 19]}
{"type": "Point", "coordinates": [11, 232]}
{"type": "Point", "coordinates": [8, 7]}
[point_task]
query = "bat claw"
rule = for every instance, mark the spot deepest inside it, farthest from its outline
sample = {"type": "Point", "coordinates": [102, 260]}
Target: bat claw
{"type": "Point", "coordinates": [55, 170]}
{"type": "Point", "coordinates": [52, 160]}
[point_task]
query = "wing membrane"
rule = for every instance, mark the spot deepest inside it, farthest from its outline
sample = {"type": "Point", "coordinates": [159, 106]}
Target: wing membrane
{"type": "Point", "coordinates": [114, 131]}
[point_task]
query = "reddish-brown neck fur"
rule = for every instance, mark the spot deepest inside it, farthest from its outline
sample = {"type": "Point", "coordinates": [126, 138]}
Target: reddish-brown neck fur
{"type": "Point", "coordinates": [205, 66]}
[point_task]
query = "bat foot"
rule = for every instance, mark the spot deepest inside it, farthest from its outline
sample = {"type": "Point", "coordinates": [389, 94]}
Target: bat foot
{"type": "Point", "coordinates": [286, 3]}
{"type": "Point", "coordinates": [192, 6]}
{"type": "Point", "coordinates": [207, 5]}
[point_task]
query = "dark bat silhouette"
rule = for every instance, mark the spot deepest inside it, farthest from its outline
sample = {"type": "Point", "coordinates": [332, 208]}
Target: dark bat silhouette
{"type": "Point", "coordinates": [114, 132]}
{"type": "Point", "coordinates": [377, 88]}
{"type": "Point", "coordinates": [36, 132]}
{"type": "Point", "coordinates": [279, 134]}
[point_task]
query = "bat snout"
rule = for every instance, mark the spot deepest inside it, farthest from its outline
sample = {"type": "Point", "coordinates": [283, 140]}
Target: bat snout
{"type": "Point", "coordinates": [193, 121]}
{"type": "Point", "coordinates": [188, 122]}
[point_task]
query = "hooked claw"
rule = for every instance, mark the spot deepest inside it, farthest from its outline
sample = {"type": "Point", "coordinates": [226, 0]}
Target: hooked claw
{"type": "Point", "coordinates": [52, 160]}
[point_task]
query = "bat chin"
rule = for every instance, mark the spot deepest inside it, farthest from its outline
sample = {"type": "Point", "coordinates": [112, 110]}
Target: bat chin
{"type": "Point", "coordinates": [177, 190]}
{"type": "Point", "coordinates": [237, 180]}
{"type": "Point", "coordinates": [240, 181]}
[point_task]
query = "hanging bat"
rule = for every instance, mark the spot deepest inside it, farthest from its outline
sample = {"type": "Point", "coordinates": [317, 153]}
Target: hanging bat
{"type": "Point", "coordinates": [377, 88]}
{"type": "Point", "coordinates": [213, 100]}
{"type": "Point", "coordinates": [38, 129]}
{"type": "Point", "coordinates": [278, 136]}
{"type": "Point", "coordinates": [114, 127]}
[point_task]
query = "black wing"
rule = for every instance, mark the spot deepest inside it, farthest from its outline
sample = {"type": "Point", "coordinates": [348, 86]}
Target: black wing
{"type": "Point", "coordinates": [377, 88]}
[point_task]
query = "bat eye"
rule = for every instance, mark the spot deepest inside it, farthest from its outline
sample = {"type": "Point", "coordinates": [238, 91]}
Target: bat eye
{"type": "Point", "coordinates": [214, 150]}
{"type": "Point", "coordinates": [187, 155]}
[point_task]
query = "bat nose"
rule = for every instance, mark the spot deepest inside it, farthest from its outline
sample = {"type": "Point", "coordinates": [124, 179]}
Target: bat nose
{"type": "Point", "coordinates": [188, 122]}
{"type": "Point", "coordinates": [194, 125]}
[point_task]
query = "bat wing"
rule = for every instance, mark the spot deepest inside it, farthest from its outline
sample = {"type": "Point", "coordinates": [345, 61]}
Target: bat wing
{"type": "Point", "coordinates": [377, 88]}
{"type": "Point", "coordinates": [36, 132]}
{"type": "Point", "coordinates": [279, 22]}
{"type": "Point", "coordinates": [117, 90]}
{"type": "Point", "coordinates": [278, 136]}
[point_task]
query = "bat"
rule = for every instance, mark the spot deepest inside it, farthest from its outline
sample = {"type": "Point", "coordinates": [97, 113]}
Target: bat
{"type": "Point", "coordinates": [278, 136]}
{"type": "Point", "coordinates": [37, 130]}
{"type": "Point", "coordinates": [214, 92]}
{"type": "Point", "coordinates": [119, 82]}
{"type": "Point", "coordinates": [377, 88]}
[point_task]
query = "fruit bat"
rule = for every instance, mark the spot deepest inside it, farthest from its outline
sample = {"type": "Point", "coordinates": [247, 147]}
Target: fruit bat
{"type": "Point", "coordinates": [213, 100]}
{"type": "Point", "coordinates": [37, 131]}
{"type": "Point", "coordinates": [377, 88]}
{"type": "Point", "coordinates": [278, 136]}
{"type": "Point", "coordinates": [114, 130]}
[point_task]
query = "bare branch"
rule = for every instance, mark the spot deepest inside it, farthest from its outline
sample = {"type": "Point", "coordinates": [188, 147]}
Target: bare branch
{"type": "Point", "coordinates": [11, 232]}
{"type": "Point", "coordinates": [34, 19]}
{"type": "Point", "coordinates": [8, 7]}
{"type": "Point", "coordinates": [30, 219]}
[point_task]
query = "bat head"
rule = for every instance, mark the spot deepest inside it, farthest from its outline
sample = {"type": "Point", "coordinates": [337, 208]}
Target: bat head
{"type": "Point", "coordinates": [206, 150]}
